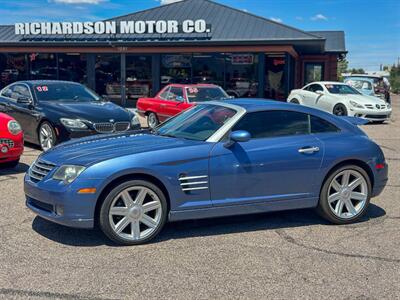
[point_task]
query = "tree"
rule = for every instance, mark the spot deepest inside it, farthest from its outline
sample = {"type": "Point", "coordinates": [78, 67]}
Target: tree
{"type": "Point", "coordinates": [342, 66]}
{"type": "Point", "coordinates": [395, 79]}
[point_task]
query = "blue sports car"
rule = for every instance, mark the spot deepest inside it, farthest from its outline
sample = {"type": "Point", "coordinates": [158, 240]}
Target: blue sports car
{"type": "Point", "coordinates": [216, 159]}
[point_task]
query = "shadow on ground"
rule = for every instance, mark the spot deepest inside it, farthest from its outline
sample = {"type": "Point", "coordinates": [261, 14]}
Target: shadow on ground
{"type": "Point", "coordinates": [21, 168]}
{"type": "Point", "coordinates": [194, 228]}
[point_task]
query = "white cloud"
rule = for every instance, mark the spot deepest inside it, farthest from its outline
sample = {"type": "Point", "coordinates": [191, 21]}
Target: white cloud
{"type": "Point", "coordinates": [163, 2]}
{"type": "Point", "coordinates": [279, 20]}
{"type": "Point", "coordinates": [78, 1]}
{"type": "Point", "coordinates": [319, 17]}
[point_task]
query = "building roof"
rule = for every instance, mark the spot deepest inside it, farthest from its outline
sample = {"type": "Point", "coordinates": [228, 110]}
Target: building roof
{"type": "Point", "coordinates": [228, 26]}
{"type": "Point", "coordinates": [335, 40]}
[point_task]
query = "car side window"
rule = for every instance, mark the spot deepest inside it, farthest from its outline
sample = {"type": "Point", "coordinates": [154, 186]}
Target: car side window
{"type": "Point", "coordinates": [319, 125]}
{"type": "Point", "coordinates": [7, 93]}
{"type": "Point", "coordinates": [175, 92]}
{"type": "Point", "coordinates": [164, 94]}
{"type": "Point", "coordinates": [267, 124]}
{"type": "Point", "coordinates": [315, 87]}
{"type": "Point", "coordinates": [18, 91]}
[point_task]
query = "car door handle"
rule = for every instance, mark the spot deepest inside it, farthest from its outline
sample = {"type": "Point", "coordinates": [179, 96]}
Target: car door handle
{"type": "Point", "coordinates": [308, 150]}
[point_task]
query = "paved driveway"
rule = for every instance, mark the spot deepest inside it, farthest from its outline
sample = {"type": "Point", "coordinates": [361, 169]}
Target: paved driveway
{"type": "Point", "coordinates": [281, 255]}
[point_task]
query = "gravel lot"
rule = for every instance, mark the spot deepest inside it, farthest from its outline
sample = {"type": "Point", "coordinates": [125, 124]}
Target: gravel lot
{"type": "Point", "coordinates": [281, 255]}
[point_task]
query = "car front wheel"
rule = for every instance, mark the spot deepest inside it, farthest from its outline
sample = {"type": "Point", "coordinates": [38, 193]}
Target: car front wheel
{"type": "Point", "coordinates": [47, 136]}
{"type": "Point", "coordinates": [340, 110]}
{"type": "Point", "coordinates": [345, 195]}
{"type": "Point", "coordinates": [133, 213]}
{"type": "Point", "coordinates": [152, 120]}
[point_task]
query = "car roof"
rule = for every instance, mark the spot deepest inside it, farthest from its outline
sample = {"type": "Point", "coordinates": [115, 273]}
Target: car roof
{"type": "Point", "coordinates": [36, 82]}
{"type": "Point", "coordinates": [256, 104]}
{"type": "Point", "coordinates": [364, 75]}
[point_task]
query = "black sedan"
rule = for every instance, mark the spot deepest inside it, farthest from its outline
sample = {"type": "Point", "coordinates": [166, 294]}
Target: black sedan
{"type": "Point", "coordinates": [51, 112]}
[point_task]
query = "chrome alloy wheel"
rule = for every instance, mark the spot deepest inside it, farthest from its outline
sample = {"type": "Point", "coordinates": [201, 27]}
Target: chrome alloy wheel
{"type": "Point", "coordinates": [135, 213]}
{"type": "Point", "coordinates": [152, 120]}
{"type": "Point", "coordinates": [347, 194]}
{"type": "Point", "coordinates": [46, 137]}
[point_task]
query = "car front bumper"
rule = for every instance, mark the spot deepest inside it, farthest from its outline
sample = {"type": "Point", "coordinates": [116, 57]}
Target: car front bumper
{"type": "Point", "coordinates": [62, 204]}
{"type": "Point", "coordinates": [372, 115]}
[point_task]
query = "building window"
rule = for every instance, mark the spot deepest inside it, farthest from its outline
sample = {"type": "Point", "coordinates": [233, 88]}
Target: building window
{"type": "Point", "coordinates": [43, 66]}
{"type": "Point", "coordinates": [108, 77]}
{"type": "Point", "coordinates": [13, 68]}
{"type": "Point", "coordinates": [208, 68]}
{"type": "Point", "coordinates": [313, 72]}
{"type": "Point", "coordinates": [241, 74]}
{"type": "Point", "coordinates": [176, 68]}
{"type": "Point", "coordinates": [138, 78]}
{"type": "Point", "coordinates": [72, 67]}
{"type": "Point", "coordinates": [275, 77]}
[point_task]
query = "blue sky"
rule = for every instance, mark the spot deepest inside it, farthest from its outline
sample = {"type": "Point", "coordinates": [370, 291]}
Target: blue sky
{"type": "Point", "coordinates": [372, 27]}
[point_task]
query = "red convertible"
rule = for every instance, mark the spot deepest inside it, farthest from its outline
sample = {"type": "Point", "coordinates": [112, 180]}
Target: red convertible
{"type": "Point", "coordinates": [173, 99]}
{"type": "Point", "coordinates": [11, 141]}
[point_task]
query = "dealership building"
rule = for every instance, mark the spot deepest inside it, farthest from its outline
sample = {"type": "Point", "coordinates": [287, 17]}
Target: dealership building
{"type": "Point", "coordinates": [192, 41]}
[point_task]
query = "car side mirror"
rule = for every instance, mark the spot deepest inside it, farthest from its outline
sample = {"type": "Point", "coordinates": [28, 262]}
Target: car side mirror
{"type": "Point", "coordinates": [180, 99]}
{"type": "Point", "coordinates": [239, 136]}
{"type": "Point", "coordinates": [320, 92]}
{"type": "Point", "coordinates": [24, 100]}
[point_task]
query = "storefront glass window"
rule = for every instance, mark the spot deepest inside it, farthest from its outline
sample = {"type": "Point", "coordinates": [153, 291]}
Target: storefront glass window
{"type": "Point", "coordinates": [241, 78]}
{"type": "Point", "coordinates": [138, 78]}
{"type": "Point", "coordinates": [176, 68]}
{"type": "Point", "coordinates": [108, 76]}
{"type": "Point", "coordinates": [313, 72]}
{"type": "Point", "coordinates": [208, 68]}
{"type": "Point", "coordinates": [275, 77]}
{"type": "Point", "coordinates": [12, 68]}
{"type": "Point", "coordinates": [72, 67]}
{"type": "Point", "coordinates": [43, 66]}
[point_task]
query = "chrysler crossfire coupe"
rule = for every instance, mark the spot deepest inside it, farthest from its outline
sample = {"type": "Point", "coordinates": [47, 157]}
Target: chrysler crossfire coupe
{"type": "Point", "coordinates": [215, 159]}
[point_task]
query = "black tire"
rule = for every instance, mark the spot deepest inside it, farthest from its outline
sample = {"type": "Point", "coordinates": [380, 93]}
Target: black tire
{"type": "Point", "coordinates": [323, 208]}
{"type": "Point", "coordinates": [51, 131]}
{"type": "Point", "coordinates": [104, 222]}
{"type": "Point", "coordinates": [10, 165]}
{"type": "Point", "coordinates": [152, 120]}
{"type": "Point", "coordinates": [340, 110]}
{"type": "Point", "coordinates": [295, 101]}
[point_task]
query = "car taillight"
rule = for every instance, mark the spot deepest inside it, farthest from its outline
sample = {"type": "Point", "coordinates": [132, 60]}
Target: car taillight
{"type": "Point", "coordinates": [379, 166]}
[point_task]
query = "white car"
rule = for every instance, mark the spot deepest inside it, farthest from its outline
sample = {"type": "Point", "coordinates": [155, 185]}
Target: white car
{"type": "Point", "coordinates": [342, 100]}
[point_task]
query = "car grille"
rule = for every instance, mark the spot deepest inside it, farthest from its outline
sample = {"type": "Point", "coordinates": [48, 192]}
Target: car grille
{"type": "Point", "coordinates": [39, 170]}
{"type": "Point", "coordinates": [110, 127]}
{"type": "Point", "coordinates": [9, 143]}
{"type": "Point", "coordinates": [193, 183]}
{"type": "Point", "coordinates": [376, 106]}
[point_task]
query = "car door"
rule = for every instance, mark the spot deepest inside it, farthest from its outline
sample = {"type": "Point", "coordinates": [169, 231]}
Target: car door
{"type": "Point", "coordinates": [280, 162]}
{"type": "Point", "coordinates": [161, 104]}
{"type": "Point", "coordinates": [175, 101]}
{"type": "Point", "coordinates": [24, 113]}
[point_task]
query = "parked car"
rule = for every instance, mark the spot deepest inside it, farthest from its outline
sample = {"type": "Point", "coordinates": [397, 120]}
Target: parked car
{"type": "Point", "coordinates": [364, 85]}
{"type": "Point", "coordinates": [173, 99]}
{"type": "Point", "coordinates": [381, 85]}
{"type": "Point", "coordinates": [51, 112]}
{"type": "Point", "coordinates": [342, 100]}
{"type": "Point", "coordinates": [216, 159]}
{"type": "Point", "coordinates": [11, 141]}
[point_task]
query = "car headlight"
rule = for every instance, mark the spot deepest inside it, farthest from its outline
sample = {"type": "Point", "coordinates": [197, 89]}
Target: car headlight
{"type": "Point", "coordinates": [355, 104]}
{"type": "Point", "coordinates": [135, 121]}
{"type": "Point", "coordinates": [68, 173]}
{"type": "Point", "coordinates": [14, 127]}
{"type": "Point", "coordinates": [73, 123]}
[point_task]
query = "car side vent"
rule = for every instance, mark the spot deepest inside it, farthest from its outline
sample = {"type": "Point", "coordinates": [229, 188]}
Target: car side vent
{"type": "Point", "coordinates": [193, 183]}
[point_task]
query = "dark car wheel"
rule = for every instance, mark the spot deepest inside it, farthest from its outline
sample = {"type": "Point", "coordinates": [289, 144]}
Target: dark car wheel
{"type": "Point", "coordinates": [47, 136]}
{"type": "Point", "coordinates": [133, 213]}
{"type": "Point", "coordinates": [345, 195]}
{"type": "Point", "coordinates": [295, 101]}
{"type": "Point", "coordinates": [152, 120]}
{"type": "Point", "coordinates": [340, 110]}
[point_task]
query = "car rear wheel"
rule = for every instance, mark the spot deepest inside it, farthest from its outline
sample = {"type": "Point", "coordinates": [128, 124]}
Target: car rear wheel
{"type": "Point", "coordinates": [340, 110]}
{"type": "Point", "coordinates": [133, 213]}
{"type": "Point", "coordinates": [345, 195]}
{"type": "Point", "coordinates": [47, 136]}
{"type": "Point", "coordinates": [152, 120]}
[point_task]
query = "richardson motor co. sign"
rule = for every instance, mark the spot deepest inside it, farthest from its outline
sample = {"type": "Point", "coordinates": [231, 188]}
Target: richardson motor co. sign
{"type": "Point", "coordinates": [112, 27]}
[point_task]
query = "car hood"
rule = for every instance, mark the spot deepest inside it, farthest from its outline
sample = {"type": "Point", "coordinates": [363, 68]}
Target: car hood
{"type": "Point", "coordinates": [362, 99]}
{"type": "Point", "coordinates": [91, 150]}
{"type": "Point", "coordinates": [91, 111]}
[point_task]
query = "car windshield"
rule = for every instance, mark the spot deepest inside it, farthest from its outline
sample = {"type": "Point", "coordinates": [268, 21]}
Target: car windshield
{"type": "Point", "coordinates": [198, 123]}
{"type": "Point", "coordinates": [202, 94]}
{"type": "Point", "coordinates": [341, 89]}
{"type": "Point", "coordinates": [64, 92]}
{"type": "Point", "coordinates": [360, 84]}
